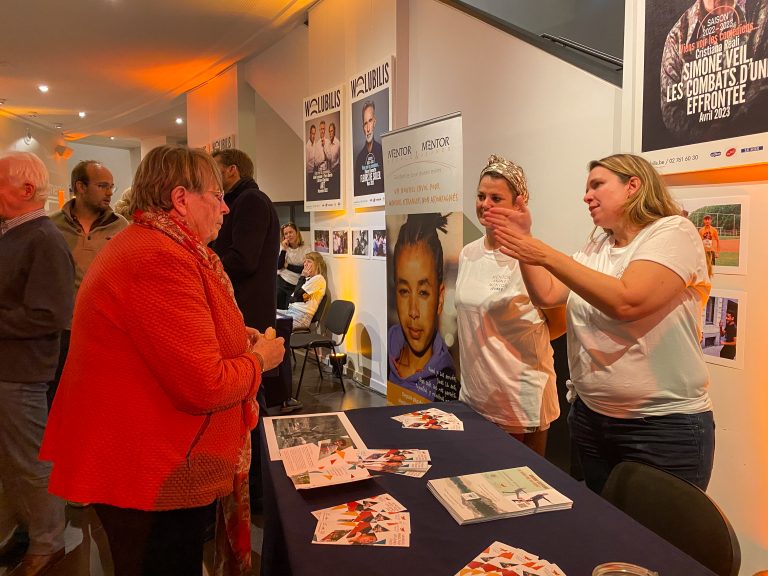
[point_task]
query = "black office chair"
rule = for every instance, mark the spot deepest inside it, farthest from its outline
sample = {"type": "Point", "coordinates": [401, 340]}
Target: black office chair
{"type": "Point", "coordinates": [336, 324]}
{"type": "Point", "coordinates": [678, 511]}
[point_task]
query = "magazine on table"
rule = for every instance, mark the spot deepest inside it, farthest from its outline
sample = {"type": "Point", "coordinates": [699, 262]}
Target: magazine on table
{"type": "Point", "coordinates": [331, 431]}
{"type": "Point", "coordinates": [497, 494]}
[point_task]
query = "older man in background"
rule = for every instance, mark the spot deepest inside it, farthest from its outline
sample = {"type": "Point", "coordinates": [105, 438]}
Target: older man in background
{"type": "Point", "coordinates": [36, 301]}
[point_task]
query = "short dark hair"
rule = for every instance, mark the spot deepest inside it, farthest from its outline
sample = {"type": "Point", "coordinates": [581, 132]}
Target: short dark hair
{"type": "Point", "coordinates": [80, 173]}
{"type": "Point", "coordinates": [235, 157]}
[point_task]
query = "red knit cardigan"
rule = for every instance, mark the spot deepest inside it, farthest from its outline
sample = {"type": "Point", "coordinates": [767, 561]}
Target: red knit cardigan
{"type": "Point", "coordinates": [150, 410]}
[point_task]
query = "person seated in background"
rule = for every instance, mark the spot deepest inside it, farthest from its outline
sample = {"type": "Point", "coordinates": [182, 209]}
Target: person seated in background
{"type": "Point", "coordinates": [151, 422]}
{"type": "Point", "coordinates": [290, 262]}
{"type": "Point", "coordinates": [309, 292]}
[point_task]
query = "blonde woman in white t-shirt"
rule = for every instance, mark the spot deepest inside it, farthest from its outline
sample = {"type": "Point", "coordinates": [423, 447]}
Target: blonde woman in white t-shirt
{"type": "Point", "coordinates": [290, 262]}
{"type": "Point", "coordinates": [507, 370]}
{"type": "Point", "coordinates": [635, 295]}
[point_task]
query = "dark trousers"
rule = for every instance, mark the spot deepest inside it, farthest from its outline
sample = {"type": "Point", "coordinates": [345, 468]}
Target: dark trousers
{"type": "Point", "coordinates": [63, 351]}
{"type": "Point", "coordinates": [681, 444]}
{"type": "Point", "coordinates": [145, 543]}
{"type": "Point", "coordinates": [284, 291]}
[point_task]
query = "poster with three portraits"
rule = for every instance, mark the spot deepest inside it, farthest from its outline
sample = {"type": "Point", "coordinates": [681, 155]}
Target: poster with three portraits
{"type": "Point", "coordinates": [700, 83]}
{"type": "Point", "coordinates": [369, 95]}
{"type": "Point", "coordinates": [423, 172]}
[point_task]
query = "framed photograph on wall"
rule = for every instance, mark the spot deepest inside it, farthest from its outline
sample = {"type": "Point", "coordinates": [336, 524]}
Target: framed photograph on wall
{"type": "Point", "coordinates": [723, 224]}
{"type": "Point", "coordinates": [723, 329]}
{"type": "Point", "coordinates": [361, 242]}
{"type": "Point", "coordinates": [321, 240]}
{"type": "Point", "coordinates": [379, 243]}
{"type": "Point", "coordinates": [340, 242]}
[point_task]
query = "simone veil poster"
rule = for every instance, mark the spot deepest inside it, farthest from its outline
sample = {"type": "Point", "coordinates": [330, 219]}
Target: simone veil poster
{"type": "Point", "coordinates": [701, 76]}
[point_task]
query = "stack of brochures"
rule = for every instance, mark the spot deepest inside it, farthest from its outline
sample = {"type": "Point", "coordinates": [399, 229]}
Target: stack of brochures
{"type": "Point", "coordinates": [502, 560]}
{"type": "Point", "coordinates": [497, 494]}
{"type": "Point", "coordinates": [377, 521]}
{"type": "Point", "coordinates": [313, 465]}
{"type": "Point", "coordinates": [430, 419]}
{"type": "Point", "coordinates": [405, 462]}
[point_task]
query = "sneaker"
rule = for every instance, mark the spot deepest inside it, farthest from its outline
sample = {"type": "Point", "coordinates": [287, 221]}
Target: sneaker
{"type": "Point", "coordinates": [290, 405]}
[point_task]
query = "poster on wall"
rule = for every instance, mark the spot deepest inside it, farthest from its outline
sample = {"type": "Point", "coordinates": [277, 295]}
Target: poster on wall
{"type": "Point", "coordinates": [723, 329]}
{"type": "Point", "coordinates": [422, 242]}
{"type": "Point", "coordinates": [723, 224]}
{"type": "Point", "coordinates": [322, 151]}
{"type": "Point", "coordinates": [701, 83]}
{"type": "Point", "coordinates": [370, 95]}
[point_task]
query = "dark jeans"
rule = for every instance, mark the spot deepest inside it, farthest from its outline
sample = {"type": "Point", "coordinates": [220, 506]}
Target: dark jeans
{"type": "Point", "coordinates": [681, 444]}
{"type": "Point", "coordinates": [284, 291]}
{"type": "Point", "coordinates": [145, 543]}
{"type": "Point", "coordinates": [53, 385]}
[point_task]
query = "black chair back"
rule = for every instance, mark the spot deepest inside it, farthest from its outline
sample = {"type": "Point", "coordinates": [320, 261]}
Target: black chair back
{"type": "Point", "coordinates": [339, 318]}
{"type": "Point", "coordinates": [678, 511]}
{"type": "Point", "coordinates": [320, 312]}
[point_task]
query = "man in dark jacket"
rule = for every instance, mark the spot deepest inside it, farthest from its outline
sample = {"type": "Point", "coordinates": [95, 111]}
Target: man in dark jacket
{"type": "Point", "coordinates": [249, 240]}
{"type": "Point", "coordinates": [248, 245]}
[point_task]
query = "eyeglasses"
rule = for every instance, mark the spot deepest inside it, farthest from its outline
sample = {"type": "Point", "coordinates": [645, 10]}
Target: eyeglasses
{"type": "Point", "coordinates": [106, 186]}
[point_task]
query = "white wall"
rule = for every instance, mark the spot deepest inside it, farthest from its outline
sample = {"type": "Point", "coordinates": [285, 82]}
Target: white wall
{"type": "Point", "coordinates": [42, 143]}
{"type": "Point", "coordinates": [119, 161]}
{"type": "Point", "coordinates": [345, 38]}
{"type": "Point", "coordinates": [545, 114]}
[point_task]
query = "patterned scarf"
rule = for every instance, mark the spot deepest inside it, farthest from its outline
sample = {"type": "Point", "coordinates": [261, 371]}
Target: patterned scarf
{"type": "Point", "coordinates": [233, 515]}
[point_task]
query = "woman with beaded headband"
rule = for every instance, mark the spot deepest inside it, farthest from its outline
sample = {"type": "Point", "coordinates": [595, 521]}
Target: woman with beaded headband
{"type": "Point", "coordinates": [635, 296]}
{"type": "Point", "coordinates": [507, 370]}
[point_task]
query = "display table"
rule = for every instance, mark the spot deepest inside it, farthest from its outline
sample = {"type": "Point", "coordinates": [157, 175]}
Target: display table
{"type": "Point", "coordinates": [593, 532]}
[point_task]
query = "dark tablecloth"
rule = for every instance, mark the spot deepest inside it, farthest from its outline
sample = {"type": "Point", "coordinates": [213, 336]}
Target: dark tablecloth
{"type": "Point", "coordinates": [577, 540]}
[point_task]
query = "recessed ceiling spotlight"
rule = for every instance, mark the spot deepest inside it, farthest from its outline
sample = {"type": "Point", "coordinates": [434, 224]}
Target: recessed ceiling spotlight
{"type": "Point", "coordinates": [58, 125]}
{"type": "Point", "coordinates": [81, 114]}
{"type": "Point", "coordinates": [111, 137]}
{"type": "Point", "coordinates": [43, 88]}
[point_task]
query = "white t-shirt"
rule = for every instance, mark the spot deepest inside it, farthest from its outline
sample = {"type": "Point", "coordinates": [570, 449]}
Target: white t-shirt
{"type": "Point", "coordinates": [303, 311]}
{"type": "Point", "coordinates": [295, 257]}
{"type": "Point", "coordinates": [507, 371]}
{"type": "Point", "coordinates": [652, 366]}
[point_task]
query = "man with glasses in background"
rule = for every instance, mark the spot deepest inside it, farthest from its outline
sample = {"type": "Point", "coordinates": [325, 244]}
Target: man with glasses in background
{"type": "Point", "coordinates": [87, 223]}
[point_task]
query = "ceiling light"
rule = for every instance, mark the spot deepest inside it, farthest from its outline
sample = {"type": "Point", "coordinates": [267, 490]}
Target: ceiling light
{"type": "Point", "coordinates": [81, 114]}
{"type": "Point", "coordinates": [111, 137]}
{"type": "Point", "coordinates": [43, 88]}
{"type": "Point", "coordinates": [179, 120]}
{"type": "Point", "coordinates": [2, 101]}
{"type": "Point", "coordinates": [58, 125]}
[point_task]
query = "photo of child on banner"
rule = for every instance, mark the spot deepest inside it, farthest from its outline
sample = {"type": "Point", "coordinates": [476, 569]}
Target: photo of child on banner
{"type": "Point", "coordinates": [422, 346]}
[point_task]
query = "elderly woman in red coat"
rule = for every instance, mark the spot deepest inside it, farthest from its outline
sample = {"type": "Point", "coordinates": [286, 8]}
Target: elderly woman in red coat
{"type": "Point", "coordinates": [156, 402]}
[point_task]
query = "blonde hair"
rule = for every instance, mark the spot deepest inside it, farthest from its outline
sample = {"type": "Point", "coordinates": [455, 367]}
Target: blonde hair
{"type": "Point", "coordinates": [652, 200]}
{"type": "Point", "coordinates": [166, 167]}
{"type": "Point", "coordinates": [317, 259]}
{"type": "Point", "coordinates": [122, 205]}
{"type": "Point", "coordinates": [299, 239]}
